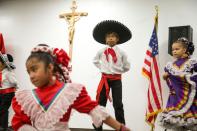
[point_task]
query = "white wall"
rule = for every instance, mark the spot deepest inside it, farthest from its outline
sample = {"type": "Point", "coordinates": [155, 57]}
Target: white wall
{"type": "Point", "coordinates": [26, 23]}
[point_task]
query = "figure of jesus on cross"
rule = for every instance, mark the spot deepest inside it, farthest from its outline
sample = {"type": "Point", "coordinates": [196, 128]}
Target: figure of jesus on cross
{"type": "Point", "coordinates": [71, 18]}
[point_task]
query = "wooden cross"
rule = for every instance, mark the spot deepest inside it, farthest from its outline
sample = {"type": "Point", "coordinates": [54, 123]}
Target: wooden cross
{"type": "Point", "coordinates": [71, 18]}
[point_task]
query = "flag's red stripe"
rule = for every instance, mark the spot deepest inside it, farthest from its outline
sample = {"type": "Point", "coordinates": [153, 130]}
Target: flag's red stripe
{"type": "Point", "coordinates": [156, 71]}
{"type": "Point", "coordinates": [150, 108]}
{"type": "Point", "coordinates": [147, 62]}
{"type": "Point", "coordinates": [154, 94]}
{"type": "Point", "coordinates": [146, 72]}
{"type": "Point", "coordinates": [148, 53]}
{"type": "Point", "coordinates": [157, 75]}
{"type": "Point", "coordinates": [151, 119]}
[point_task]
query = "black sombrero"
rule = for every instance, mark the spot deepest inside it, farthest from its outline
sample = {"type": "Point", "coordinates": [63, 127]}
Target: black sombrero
{"type": "Point", "coordinates": [106, 26]}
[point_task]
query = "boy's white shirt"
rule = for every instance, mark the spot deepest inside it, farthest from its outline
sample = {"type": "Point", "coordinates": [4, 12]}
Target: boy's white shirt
{"type": "Point", "coordinates": [8, 79]}
{"type": "Point", "coordinates": [109, 67]}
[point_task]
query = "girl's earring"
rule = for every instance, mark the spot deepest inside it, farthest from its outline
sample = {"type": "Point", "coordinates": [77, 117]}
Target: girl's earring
{"type": "Point", "coordinates": [53, 78]}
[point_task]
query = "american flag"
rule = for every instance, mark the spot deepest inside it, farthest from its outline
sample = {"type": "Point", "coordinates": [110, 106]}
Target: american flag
{"type": "Point", "coordinates": [151, 71]}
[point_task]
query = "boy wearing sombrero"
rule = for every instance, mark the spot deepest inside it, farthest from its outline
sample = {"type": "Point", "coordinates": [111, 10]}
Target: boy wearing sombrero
{"type": "Point", "coordinates": [112, 62]}
{"type": "Point", "coordinates": [8, 85]}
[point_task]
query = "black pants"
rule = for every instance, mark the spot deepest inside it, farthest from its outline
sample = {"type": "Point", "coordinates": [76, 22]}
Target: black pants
{"type": "Point", "coordinates": [5, 102]}
{"type": "Point", "coordinates": [116, 88]}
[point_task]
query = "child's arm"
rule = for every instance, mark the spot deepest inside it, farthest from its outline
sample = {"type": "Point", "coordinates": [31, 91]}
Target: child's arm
{"type": "Point", "coordinates": [84, 104]}
{"type": "Point", "coordinates": [115, 124]}
{"type": "Point", "coordinates": [166, 72]}
{"type": "Point", "coordinates": [12, 79]}
{"type": "Point", "coordinates": [165, 76]}
{"type": "Point", "coordinates": [20, 121]}
{"type": "Point", "coordinates": [126, 64]}
{"type": "Point", "coordinates": [96, 60]}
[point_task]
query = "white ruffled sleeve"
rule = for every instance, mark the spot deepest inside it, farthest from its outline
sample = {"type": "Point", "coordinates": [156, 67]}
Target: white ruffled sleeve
{"type": "Point", "coordinates": [98, 114]}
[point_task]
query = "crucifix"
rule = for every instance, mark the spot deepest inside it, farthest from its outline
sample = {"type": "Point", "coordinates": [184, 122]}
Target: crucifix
{"type": "Point", "coordinates": [71, 18]}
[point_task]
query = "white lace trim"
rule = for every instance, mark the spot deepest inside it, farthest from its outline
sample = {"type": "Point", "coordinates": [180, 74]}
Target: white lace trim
{"type": "Point", "coordinates": [174, 122]}
{"type": "Point", "coordinates": [186, 67]}
{"type": "Point", "coordinates": [46, 120]}
{"type": "Point", "coordinates": [60, 126]}
{"type": "Point", "coordinates": [98, 114]}
{"type": "Point", "coordinates": [27, 127]}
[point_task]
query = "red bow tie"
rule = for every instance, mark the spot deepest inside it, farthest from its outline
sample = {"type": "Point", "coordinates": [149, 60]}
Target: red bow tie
{"type": "Point", "coordinates": [112, 53]}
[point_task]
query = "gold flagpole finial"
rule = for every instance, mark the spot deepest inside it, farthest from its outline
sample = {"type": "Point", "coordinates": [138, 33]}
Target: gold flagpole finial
{"type": "Point", "coordinates": [157, 8]}
{"type": "Point", "coordinates": [156, 17]}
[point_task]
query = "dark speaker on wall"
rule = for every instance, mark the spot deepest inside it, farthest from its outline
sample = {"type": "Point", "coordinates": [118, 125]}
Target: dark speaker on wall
{"type": "Point", "coordinates": [177, 32]}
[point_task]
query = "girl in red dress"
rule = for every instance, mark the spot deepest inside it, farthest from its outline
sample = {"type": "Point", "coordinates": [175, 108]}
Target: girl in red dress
{"type": "Point", "coordinates": [48, 107]}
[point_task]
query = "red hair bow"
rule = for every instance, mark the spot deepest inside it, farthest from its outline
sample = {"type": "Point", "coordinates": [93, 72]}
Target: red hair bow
{"type": "Point", "coordinates": [61, 57]}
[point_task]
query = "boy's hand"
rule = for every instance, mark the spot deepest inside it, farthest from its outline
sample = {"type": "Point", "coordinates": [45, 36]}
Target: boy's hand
{"type": "Point", "coordinates": [165, 76]}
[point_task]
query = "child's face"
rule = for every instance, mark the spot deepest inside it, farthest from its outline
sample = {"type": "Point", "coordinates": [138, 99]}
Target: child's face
{"type": "Point", "coordinates": [178, 50]}
{"type": "Point", "coordinates": [111, 39]}
{"type": "Point", "coordinates": [39, 74]}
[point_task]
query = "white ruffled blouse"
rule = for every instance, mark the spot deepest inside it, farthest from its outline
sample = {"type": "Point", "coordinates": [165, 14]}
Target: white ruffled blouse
{"type": "Point", "coordinates": [49, 109]}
